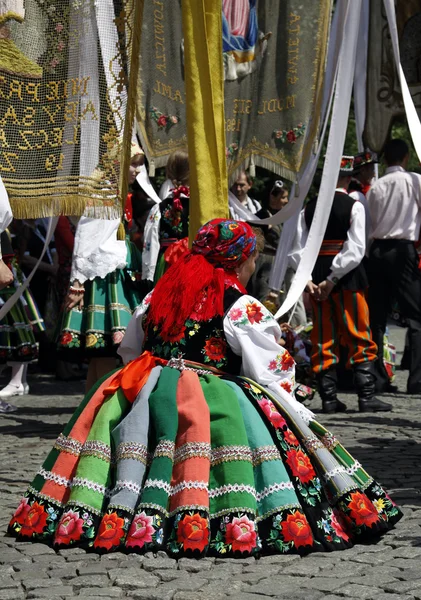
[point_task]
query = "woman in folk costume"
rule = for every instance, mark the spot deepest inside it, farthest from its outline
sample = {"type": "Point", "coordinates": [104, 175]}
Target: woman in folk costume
{"type": "Point", "coordinates": [103, 291]}
{"type": "Point", "coordinates": [167, 227]}
{"type": "Point", "coordinates": [178, 452]}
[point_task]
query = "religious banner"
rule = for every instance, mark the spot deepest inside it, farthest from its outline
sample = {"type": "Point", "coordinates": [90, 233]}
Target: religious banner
{"type": "Point", "coordinates": [384, 98]}
{"type": "Point", "coordinates": [63, 80]}
{"type": "Point", "coordinates": [274, 59]}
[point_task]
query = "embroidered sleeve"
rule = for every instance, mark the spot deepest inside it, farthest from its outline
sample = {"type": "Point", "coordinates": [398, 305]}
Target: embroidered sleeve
{"type": "Point", "coordinates": [254, 334]}
{"type": "Point", "coordinates": [132, 343]}
{"type": "Point", "coordinates": [151, 244]}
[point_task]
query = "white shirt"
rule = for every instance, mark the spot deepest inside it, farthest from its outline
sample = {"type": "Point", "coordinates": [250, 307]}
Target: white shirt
{"type": "Point", "coordinates": [394, 203]}
{"type": "Point", "coordinates": [253, 206]}
{"type": "Point", "coordinates": [6, 215]}
{"type": "Point", "coordinates": [360, 197]}
{"type": "Point", "coordinates": [352, 251]}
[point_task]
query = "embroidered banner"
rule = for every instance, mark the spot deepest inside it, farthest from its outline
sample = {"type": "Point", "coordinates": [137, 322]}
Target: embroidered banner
{"type": "Point", "coordinates": [63, 79]}
{"type": "Point", "coordinates": [274, 58]}
{"type": "Point", "coordinates": [384, 97]}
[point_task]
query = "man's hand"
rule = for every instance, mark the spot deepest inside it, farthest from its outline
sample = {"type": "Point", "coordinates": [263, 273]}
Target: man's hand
{"type": "Point", "coordinates": [325, 289]}
{"type": "Point", "coordinates": [312, 289]}
{"type": "Point", "coordinates": [6, 275]}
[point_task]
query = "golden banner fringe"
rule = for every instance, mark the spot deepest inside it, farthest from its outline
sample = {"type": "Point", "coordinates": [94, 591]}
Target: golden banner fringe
{"type": "Point", "coordinates": [25, 208]}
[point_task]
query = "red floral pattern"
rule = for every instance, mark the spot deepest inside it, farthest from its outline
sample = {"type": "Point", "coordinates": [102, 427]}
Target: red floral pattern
{"type": "Point", "coordinates": [35, 520]}
{"type": "Point", "coordinates": [215, 348]}
{"type": "Point", "coordinates": [140, 532]}
{"type": "Point", "coordinates": [21, 512]}
{"type": "Point", "coordinates": [110, 531]}
{"type": "Point", "coordinates": [254, 313]}
{"type": "Point", "coordinates": [272, 414]}
{"type": "Point", "coordinates": [66, 338]}
{"type": "Point", "coordinates": [338, 524]}
{"type": "Point", "coordinates": [287, 362]}
{"type": "Point", "coordinates": [300, 465]}
{"type": "Point", "coordinates": [193, 532]}
{"type": "Point", "coordinates": [362, 510]}
{"type": "Point", "coordinates": [287, 386]}
{"type": "Point", "coordinates": [70, 528]}
{"type": "Point", "coordinates": [241, 534]}
{"type": "Point", "coordinates": [290, 438]}
{"type": "Point", "coordinates": [296, 529]}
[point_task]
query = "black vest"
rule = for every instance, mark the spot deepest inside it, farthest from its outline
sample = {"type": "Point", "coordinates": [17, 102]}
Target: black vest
{"type": "Point", "coordinates": [337, 229]}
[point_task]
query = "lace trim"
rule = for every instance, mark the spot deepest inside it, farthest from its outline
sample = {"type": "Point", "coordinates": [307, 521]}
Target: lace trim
{"type": "Point", "coordinates": [133, 450]}
{"type": "Point", "coordinates": [68, 444]}
{"type": "Point", "coordinates": [232, 488]}
{"type": "Point", "coordinates": [265, 453]}
{"type": "Point", "coordinates": [121, 507]}
{"type": "Point", "coordinates": [192, 450]}
{"type": "Point", "coordinates": [276, 510]}
{"type": "Point", "coordinates": [188, 485]}
{"type": "Point", "coordinates": [313, 443]}
{"type": "Point", "coordinates": [164, 448]}
{"type": "Point", "coordinates": [82, 505]}
{"type": "Point", "coordinates": [127, 485]}
{"type": "Point", "coordinates": [329, 441]}
{"type": "Point", "coordinates": [189, 507]}
{"type": "Point", "coordinates": [230, 453]}
{"type": "Point", "coordinates": [158, 483]}
{"type": "Point", "coordinates": [50, 476]}
{"type": "Point", "coordinates": [33, 491]}
{"type": "Point", "coordinates": [276, 487]}
{"type": "Point", "coordinates": [97, 449]}
{"type": "Point", "coordinates": [234, 509]}
{"type": "Point", "coordinates": [339, 470]}
{"type": "Point", "coordinates": [91, 485]}
{"type": "Point", "coordinates": [150, 506]}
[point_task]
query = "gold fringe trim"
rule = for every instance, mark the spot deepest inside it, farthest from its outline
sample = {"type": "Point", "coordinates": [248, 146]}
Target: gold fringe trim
{"type": "Point", "coordinates": [121, 232]}
{"type": "Point", "coordinates": [75, 205]}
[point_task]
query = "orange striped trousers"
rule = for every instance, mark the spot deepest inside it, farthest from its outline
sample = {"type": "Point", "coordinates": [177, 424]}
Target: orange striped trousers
{"type": "Point", "coordinates": [342, 318]}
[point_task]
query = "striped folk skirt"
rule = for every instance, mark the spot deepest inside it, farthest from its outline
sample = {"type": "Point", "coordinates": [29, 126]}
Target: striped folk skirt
{"type": "Point", "coordinates": [197, 463]}
{"type": "Point", "coordinates": [17, 328]}
{"type": "Point", "coordinates": [98, 328]}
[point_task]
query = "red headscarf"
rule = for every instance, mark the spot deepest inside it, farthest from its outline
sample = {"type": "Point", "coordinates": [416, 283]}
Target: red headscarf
{"type": "Point", "coordinates": [193, 287]}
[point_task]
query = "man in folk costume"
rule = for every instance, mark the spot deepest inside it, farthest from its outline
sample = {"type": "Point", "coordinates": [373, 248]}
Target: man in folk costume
{"type": "Point", "coordinates": [337, 292]}
{"type": "Point", "coordinates": [362, 179]}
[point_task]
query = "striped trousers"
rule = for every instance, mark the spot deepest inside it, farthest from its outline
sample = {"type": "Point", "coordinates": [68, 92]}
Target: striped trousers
{"type": "Point", "coordinates": [342, 319]}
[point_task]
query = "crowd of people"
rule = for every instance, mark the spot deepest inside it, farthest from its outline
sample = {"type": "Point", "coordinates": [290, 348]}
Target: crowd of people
{"type": "Point", "coordinates": [192, 436]}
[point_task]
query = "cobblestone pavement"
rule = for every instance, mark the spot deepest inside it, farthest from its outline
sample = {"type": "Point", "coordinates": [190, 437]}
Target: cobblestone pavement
{"type": "Point", "coordinates": [388, 445]}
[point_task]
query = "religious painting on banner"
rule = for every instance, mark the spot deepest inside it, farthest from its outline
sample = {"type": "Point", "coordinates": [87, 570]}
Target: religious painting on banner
{"type": "Point", "coordinates": [274, 58]}
{"type": "Point", "coordinates": [63, 78]}
{"type": "Point", "coordinates": [384, 98]}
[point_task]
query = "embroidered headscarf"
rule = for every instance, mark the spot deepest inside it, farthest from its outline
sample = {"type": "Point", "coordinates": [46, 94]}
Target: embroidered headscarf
{"type": "Point", "coordinates": [193, 287]}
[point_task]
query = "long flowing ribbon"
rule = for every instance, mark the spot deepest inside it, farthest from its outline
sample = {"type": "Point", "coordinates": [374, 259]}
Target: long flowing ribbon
{"type": "Point", "coordinates": [411, 112]}
{"type": "Point", "coordinates": [338, 127]}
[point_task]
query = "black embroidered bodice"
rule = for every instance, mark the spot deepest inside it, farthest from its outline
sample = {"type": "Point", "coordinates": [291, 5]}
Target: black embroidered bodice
{"type": "Point", "coordinates": [174, 224]}
{"type": "Point", "coordinates": [202, 342]}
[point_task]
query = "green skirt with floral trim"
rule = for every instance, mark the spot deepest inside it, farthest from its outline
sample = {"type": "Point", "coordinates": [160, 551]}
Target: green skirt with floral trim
{"type": "Point", "coordinates": [97, 329]}
{"type": "Point", "coordinates": [198, 464]}
{"type": "Point", "coordinates": [17, 328]}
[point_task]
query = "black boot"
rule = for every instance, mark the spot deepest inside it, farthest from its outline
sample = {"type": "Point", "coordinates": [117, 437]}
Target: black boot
{"type": "Point", "coordinates": [327, 384]}
{"type": "Point", "coordinates": [365, 385]}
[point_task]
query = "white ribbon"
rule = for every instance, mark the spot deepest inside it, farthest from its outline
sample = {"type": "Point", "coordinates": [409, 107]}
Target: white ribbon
{"type": "Point", "coordinates": [144, 182]}
{"type": "Point", "coordinates": [13, 299]}
{"type": "Point", "coordinates": [338, 127]}
{"type": "Point", "coordinates": [411, 113]}
{"type": "Point", "coordinates": [360, 76]}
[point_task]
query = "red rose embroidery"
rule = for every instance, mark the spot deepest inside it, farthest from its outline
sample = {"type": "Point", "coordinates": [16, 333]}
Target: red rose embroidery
{"type": "Point", "coordinates": [118, 337]}
{"type": "Point", "coordinates": [241, 534]}
{"type": "Point", "coordinates": [174, 334]}
{"type": "Point", "coordinates": [287, 362]}
{"type": "Point", "coordinates": [272, 414]}
{"type": "Point", "coordinates": [254, 313]}
{"type": "Point", "coordinates": [297, 529]}
{"type": "Point", "coordinates": [300, 465]}
{"type": "Point", "coordinates": [21, 512]}
{"type": "Point", "coordinates": [338, 526]}
{"type": "Point", "coordinates": [287, 386]}
{"type": "Point", "coordinates": [215, 348]}
{"type": "Point", "coordinates": [273, 365]}
{"type": "Point", "coordinates": [193, 532]}
{"type": "Point", "coordinates": [291, 137]}
{"type": "Point", "coordinates": [66, 338]}
{"type": "Point", "coordinates": [70, 528]}
{"type": "Point", "coordinates": [141, 531]}
{"type": "Point", "coordinates": [162, 121]}
{"type": "Point", "coordinates": [363, 510]}
{"type": "Point", "coordinates": [290, 438]}
{"type": "Point", "coordinates": [110, 531]}
{"type": "Point", "coordinates": [35, 520]}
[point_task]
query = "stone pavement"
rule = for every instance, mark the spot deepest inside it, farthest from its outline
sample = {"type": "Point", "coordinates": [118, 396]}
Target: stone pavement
{"type": "Point", "coordinates": [388, 445]}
